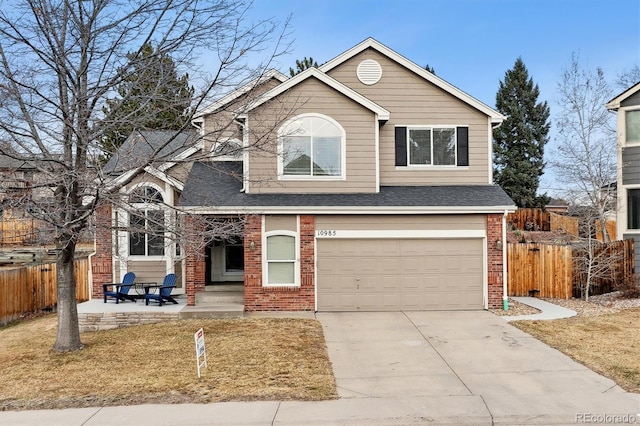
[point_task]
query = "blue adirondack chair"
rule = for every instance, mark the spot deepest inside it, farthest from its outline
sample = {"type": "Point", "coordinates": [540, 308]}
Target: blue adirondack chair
{"type": "Point", "coordinates": [164, 291]}
{"type": "Point", "coordinates": [121, 289]}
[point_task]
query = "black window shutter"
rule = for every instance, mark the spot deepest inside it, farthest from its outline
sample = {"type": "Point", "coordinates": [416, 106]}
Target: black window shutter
{"type": "Point", "coordinates": [463, 146]}
{"type": "Point", "coordinates": [401, 146]}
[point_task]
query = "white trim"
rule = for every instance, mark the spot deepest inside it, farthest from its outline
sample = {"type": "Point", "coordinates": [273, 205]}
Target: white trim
{"type": "Point", "coordinates": [382, 113]}
{"type": "Point", "coordinates": [495, 116]}
{"type": "Point", "coordinates": [272, 73]}
{"type": "Point", "coordinates": [153, 172]}
{"type": "Point", "coordinates": [614, 104]}
{"type": "Point", "coordinates": [343, 151]}
{"type": "Point", "coordinates": [485, 273]}
{"type": "Point", "coordinates": [182, 156]}
{"type": "Point", "coordinates": [296, 260]}
{"type": "Point", "coordinates": [376, 137]}
{"type": "Point", "coordinates": [346, 210]}
{"type": "Point", "coordinates": [490, 145]}
{"type": "Point", "coordinates": [402, 234]}
{"type": "Point", "coordinates": [623, 223]}
{"type": "Point", "coordinates": [226, 157]}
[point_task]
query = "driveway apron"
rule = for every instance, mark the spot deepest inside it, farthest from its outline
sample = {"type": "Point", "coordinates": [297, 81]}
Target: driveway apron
{"type": "Point", "coordinates": [474, 359]}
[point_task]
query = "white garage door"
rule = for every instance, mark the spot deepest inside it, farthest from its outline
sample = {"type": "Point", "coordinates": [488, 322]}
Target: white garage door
{"type": "Point", "coordinates": [399, 274]}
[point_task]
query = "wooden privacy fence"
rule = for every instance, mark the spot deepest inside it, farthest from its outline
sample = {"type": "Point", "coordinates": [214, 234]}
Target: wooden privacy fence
{"type": "Point", "coordinates": [540, 220]}
{"type": "Point", "coordinates": [553, 269]}
{"type": "Point", "coordinates": [33, 288]}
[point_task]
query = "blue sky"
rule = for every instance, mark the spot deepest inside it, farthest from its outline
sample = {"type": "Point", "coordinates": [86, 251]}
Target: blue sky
{"type": "Point", "coordinates": [471, 43]}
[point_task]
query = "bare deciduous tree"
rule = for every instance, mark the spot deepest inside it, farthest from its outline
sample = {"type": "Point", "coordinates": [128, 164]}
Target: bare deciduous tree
{"type": "Point", "coordinates": [585, 160]}
{"type": "Point", "coordinates": [61, 60]}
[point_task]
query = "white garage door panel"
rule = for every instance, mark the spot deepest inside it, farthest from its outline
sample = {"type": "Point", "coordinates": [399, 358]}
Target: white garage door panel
{"type": "Point", "coordinates": [403, 274]}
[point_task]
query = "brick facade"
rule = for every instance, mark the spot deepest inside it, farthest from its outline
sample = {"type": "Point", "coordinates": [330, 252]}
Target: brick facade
{"type": "Point", "coordinates": [494, 260]}
{"type": "Point", "coordinates": [259, 298]}
{"type": "Point", "coordinates": [102, 260]}
{"type": "Point", "coordinates": [194, 263]}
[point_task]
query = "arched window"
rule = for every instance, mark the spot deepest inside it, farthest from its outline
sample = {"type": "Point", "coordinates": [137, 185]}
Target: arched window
{"type": "Point", "coordinates": [312, 145]}
{"type": "Point", "coordinates": [146, 222]}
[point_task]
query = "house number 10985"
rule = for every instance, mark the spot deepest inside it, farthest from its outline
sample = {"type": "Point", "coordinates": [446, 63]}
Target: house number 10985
{"type": "Point", "coordinates": [326, 233]}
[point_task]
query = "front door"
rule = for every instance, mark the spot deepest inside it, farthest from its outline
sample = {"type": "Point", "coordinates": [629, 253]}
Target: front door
{"type": "Point", "coordinates": [226, 261]}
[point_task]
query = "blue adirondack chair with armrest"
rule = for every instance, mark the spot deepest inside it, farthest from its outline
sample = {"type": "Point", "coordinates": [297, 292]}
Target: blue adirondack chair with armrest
{"type": "Point", "coordinates": [121, 291]}
{"type": "Point", "coordinates": [164, 291]}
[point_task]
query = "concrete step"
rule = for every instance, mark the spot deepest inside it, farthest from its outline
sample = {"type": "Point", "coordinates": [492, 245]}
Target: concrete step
{"type": "Point", "coordinates": [220, 297]}
{"type": "Point", "coordinates": [224, 287]}
{"type": "Point", "coordinates": [213, 311]}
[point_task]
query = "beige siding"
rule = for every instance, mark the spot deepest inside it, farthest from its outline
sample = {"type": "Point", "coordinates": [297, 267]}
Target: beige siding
{"type": "Point", "coordinates": [404, 222]}
{"type": "Point", "coordinates": [148, 270]}
{"type": "Point", "coordinates": [412, 100]}
{"type": "Point", "coordinates": [221, 125]}
{"type": "Point", "coordinates": [281, 223]}
{"type": "Point", "coordinates": [313, 96]}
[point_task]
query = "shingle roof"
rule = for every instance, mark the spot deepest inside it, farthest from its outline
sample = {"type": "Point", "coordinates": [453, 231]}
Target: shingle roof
{"type": "Point", "coordinates": [141, 145]}
{"type": "Point", "coordinates": [218, 186]}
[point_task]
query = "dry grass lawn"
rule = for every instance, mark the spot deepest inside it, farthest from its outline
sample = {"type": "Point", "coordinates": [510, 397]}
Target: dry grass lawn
{"type": "Point", "coordinates": [248, 359]}
{"type": "Point", "coordinates": [608, 344]}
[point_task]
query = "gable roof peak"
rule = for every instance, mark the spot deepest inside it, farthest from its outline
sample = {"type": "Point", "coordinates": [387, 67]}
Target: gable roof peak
{"type": "Point", "coordinates": [496, 117]}
{"type": "Point", "coordinates": [614, 104]}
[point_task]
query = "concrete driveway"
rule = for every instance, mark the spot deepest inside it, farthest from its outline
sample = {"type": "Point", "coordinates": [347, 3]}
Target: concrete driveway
{"type": "Point", "coordinates": [466, 365]}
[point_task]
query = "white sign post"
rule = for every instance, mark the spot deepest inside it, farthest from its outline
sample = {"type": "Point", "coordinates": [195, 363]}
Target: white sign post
{"type": "Point", "coordinates": [200, 351]}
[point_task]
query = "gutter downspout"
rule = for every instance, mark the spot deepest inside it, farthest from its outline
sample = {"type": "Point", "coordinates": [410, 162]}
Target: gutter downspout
{"type": "Point", "coordinates": [505, 297]}
{"type": "Point", "coordinates": [242, 122]}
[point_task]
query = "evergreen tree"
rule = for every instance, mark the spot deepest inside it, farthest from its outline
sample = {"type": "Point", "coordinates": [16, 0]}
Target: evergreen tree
{"type": "Point", "coordinates": [152, 96]}
{"type": "Point", "coordinates": [302, 65]}
{"type": "Point", "coordinates": [518, 144]}
{"type": "Point", "coordinates": [430, 69]}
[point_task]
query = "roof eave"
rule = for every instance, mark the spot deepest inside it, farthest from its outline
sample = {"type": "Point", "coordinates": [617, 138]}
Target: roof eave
{"type": "Point", "coordinates": [349, 209]}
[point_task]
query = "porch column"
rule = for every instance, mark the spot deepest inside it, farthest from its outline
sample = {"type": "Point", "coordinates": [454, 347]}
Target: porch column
{"type": "Point", "coordinates": [495, 260]}
{"type": "Point", "coordinates": [102, 260]}
{"type": "Point", "coordinates": [195, 260]}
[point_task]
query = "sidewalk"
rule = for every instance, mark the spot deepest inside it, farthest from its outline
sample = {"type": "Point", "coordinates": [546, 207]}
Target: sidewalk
{"type": "Point", "coordinates": [548, 311]}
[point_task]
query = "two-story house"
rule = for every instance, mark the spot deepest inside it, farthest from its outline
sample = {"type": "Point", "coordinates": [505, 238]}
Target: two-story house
{"type": "Point", "coordinates": [361, 185]}
{"type": "Point", "coordinates": [627, 106]}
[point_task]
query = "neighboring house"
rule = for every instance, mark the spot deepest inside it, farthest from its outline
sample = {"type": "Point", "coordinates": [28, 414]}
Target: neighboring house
{"type": "Point", "coordinates": [364, 184]}
{"type": "Point", "coordinates": [557, 205]}
{"type": "Point", "coordinates": [627, 105]}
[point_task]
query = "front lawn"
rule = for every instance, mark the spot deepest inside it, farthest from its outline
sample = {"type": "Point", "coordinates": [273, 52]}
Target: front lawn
{"type": "Point", "coordinates": [608, 344]}
{"type": "Point", "coordinates": [248, 359]}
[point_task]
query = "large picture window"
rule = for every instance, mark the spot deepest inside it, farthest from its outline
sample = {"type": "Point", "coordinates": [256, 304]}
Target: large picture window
{"type": "Point", "coordinates": [312, 146]}
{"type": "Point", "coordinates": [281, 260]}
{"type": "Point", "coordinates": [147, 223]}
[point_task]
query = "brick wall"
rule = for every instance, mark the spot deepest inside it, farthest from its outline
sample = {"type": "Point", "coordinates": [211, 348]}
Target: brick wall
{"type": "Point", "coordinates": [102, 261]}
{"type": "Point", "coordinates": [259, 298]}
{"type": "Point", "coordinates": [194, 262]}
{"type": "Point", "coordinates": [494, 260]}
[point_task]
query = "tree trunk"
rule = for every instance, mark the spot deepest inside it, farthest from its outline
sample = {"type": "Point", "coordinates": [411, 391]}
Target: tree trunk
{"type": "Point", "coordinates": [68, 338]}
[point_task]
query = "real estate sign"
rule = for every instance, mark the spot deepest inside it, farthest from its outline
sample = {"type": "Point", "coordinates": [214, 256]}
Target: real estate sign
{"type": "Point", "coordinates": [201, 354]}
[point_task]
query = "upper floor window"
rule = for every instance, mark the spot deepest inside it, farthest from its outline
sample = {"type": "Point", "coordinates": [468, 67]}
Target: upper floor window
{"type": "Point", "coordinates": [632, 126]}
{"type": "Point", "coordinates": [311, 146]}
{"type": "Point", "coordinates": [147, 222]}
{"type": "Point", "coordinates": [432, 146]}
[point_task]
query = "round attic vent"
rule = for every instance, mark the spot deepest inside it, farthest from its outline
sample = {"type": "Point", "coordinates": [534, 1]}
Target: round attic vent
{"type": "Point", "coordinates": [369, 72]}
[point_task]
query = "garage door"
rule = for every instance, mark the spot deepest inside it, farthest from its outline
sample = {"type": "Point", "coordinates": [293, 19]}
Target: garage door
{"type": "Point", "coordinates": [393, 274]}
